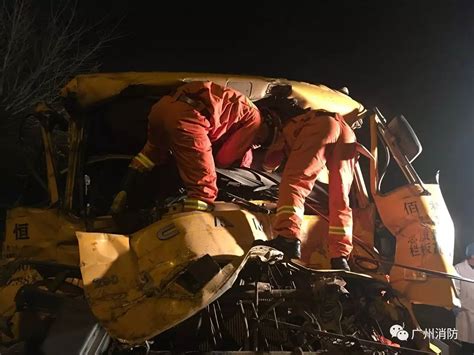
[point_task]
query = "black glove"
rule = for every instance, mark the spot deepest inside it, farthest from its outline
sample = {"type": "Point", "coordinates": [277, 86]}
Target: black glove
{"type": "Point", "coordinates": [120, 201]}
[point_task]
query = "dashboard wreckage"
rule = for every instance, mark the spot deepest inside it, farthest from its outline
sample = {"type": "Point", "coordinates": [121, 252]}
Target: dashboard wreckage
{"type": "Point", "coordinates": [75, 279]}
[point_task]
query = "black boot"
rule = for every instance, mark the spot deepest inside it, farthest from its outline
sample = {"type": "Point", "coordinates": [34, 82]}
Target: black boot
{"type": "Point", "coordinates": [340, 264]}
{"type": "Point", "coordinates": [291, 247]}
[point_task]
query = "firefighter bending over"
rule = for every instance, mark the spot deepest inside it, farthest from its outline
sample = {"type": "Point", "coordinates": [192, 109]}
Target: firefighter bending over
{"type": "Point", "coordinates": [191, 122]}
{"type": "Point", "coordinates": [309, 142]}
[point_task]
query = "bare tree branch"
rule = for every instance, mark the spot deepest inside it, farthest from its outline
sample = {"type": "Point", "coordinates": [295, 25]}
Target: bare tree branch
{"type": "Point", "coordinates": [40, 52]}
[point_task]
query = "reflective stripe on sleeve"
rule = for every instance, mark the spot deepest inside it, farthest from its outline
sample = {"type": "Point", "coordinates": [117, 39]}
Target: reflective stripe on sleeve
{"type": "Point", "coordinates": [145, 161]}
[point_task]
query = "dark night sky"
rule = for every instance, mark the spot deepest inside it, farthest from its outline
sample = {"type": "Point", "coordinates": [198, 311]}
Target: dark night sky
{"type": "Point", "coordinates": [407, 57]}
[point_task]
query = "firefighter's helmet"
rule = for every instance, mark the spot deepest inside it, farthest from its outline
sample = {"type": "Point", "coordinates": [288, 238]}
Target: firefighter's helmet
{"type": "Point", "coordinates": [273, 125]}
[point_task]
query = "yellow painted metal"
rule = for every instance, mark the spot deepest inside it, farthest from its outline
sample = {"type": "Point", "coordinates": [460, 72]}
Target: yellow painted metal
{"type": "Point", "coordinates": [8, 291]}
{"type": "Point", "coordinates": [50, 170]}
{"type": "Point", "coordinates": [131, 283]}
{"type": "Point", "coordinates": [425, 238]}
{"type": "Point", "coordinates": [364, 225]}
{"type": "Point", "coordinates": [314, 232]}
{"type": "Point", "coordinates": [363, 212]}
{"type": "Point", "coordinates": [41, 234]}
{"type": "Point", "coordinates": [422, 342]}
{"type": "Point", "coordinates": [76, 134]}
{"type": "Point", "coordinates": [92, 89]}
{"type": "Point", "coordinates": [321, 97]}
{"type": "Point", "coordinates": [314, 241]}
{"type": "Point", "coordinates": [424, 231]}
{"type": "Point", "coordinates": [374, 151]}
{"type": "Point", "coordinates": [360, 189]}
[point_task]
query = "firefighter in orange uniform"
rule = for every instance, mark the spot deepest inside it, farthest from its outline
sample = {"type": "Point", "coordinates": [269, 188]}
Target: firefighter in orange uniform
{"type": "Point", "coordinates": [309, 142]}
{"type": "Point", "coordinates": [193, 120]}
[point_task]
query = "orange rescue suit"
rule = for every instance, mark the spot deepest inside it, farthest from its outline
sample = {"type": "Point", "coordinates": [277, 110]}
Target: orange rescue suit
{"type": "Point", "coordinates": [198, 116]}
{"type": "Point", "coordinates": [309, 142]}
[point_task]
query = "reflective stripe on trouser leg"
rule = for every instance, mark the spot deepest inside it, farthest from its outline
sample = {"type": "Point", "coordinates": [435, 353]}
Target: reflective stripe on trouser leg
{"type": "Point", "coordinates": [341, 171]}
{"type": "Point", "coordinates": [288, 221]}
{"type": "Point", "coordinates": [306, 160]}
{"type": "Point", "coordinates": [339, 241]}
{"type": "Point", "coordinates": [340, 230]}
{"type": "Point", "coordinates": [290, 210]}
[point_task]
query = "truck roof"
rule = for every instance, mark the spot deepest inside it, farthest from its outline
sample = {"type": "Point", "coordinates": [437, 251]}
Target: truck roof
{"type": "Point", "coordinates": [91, 90]}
